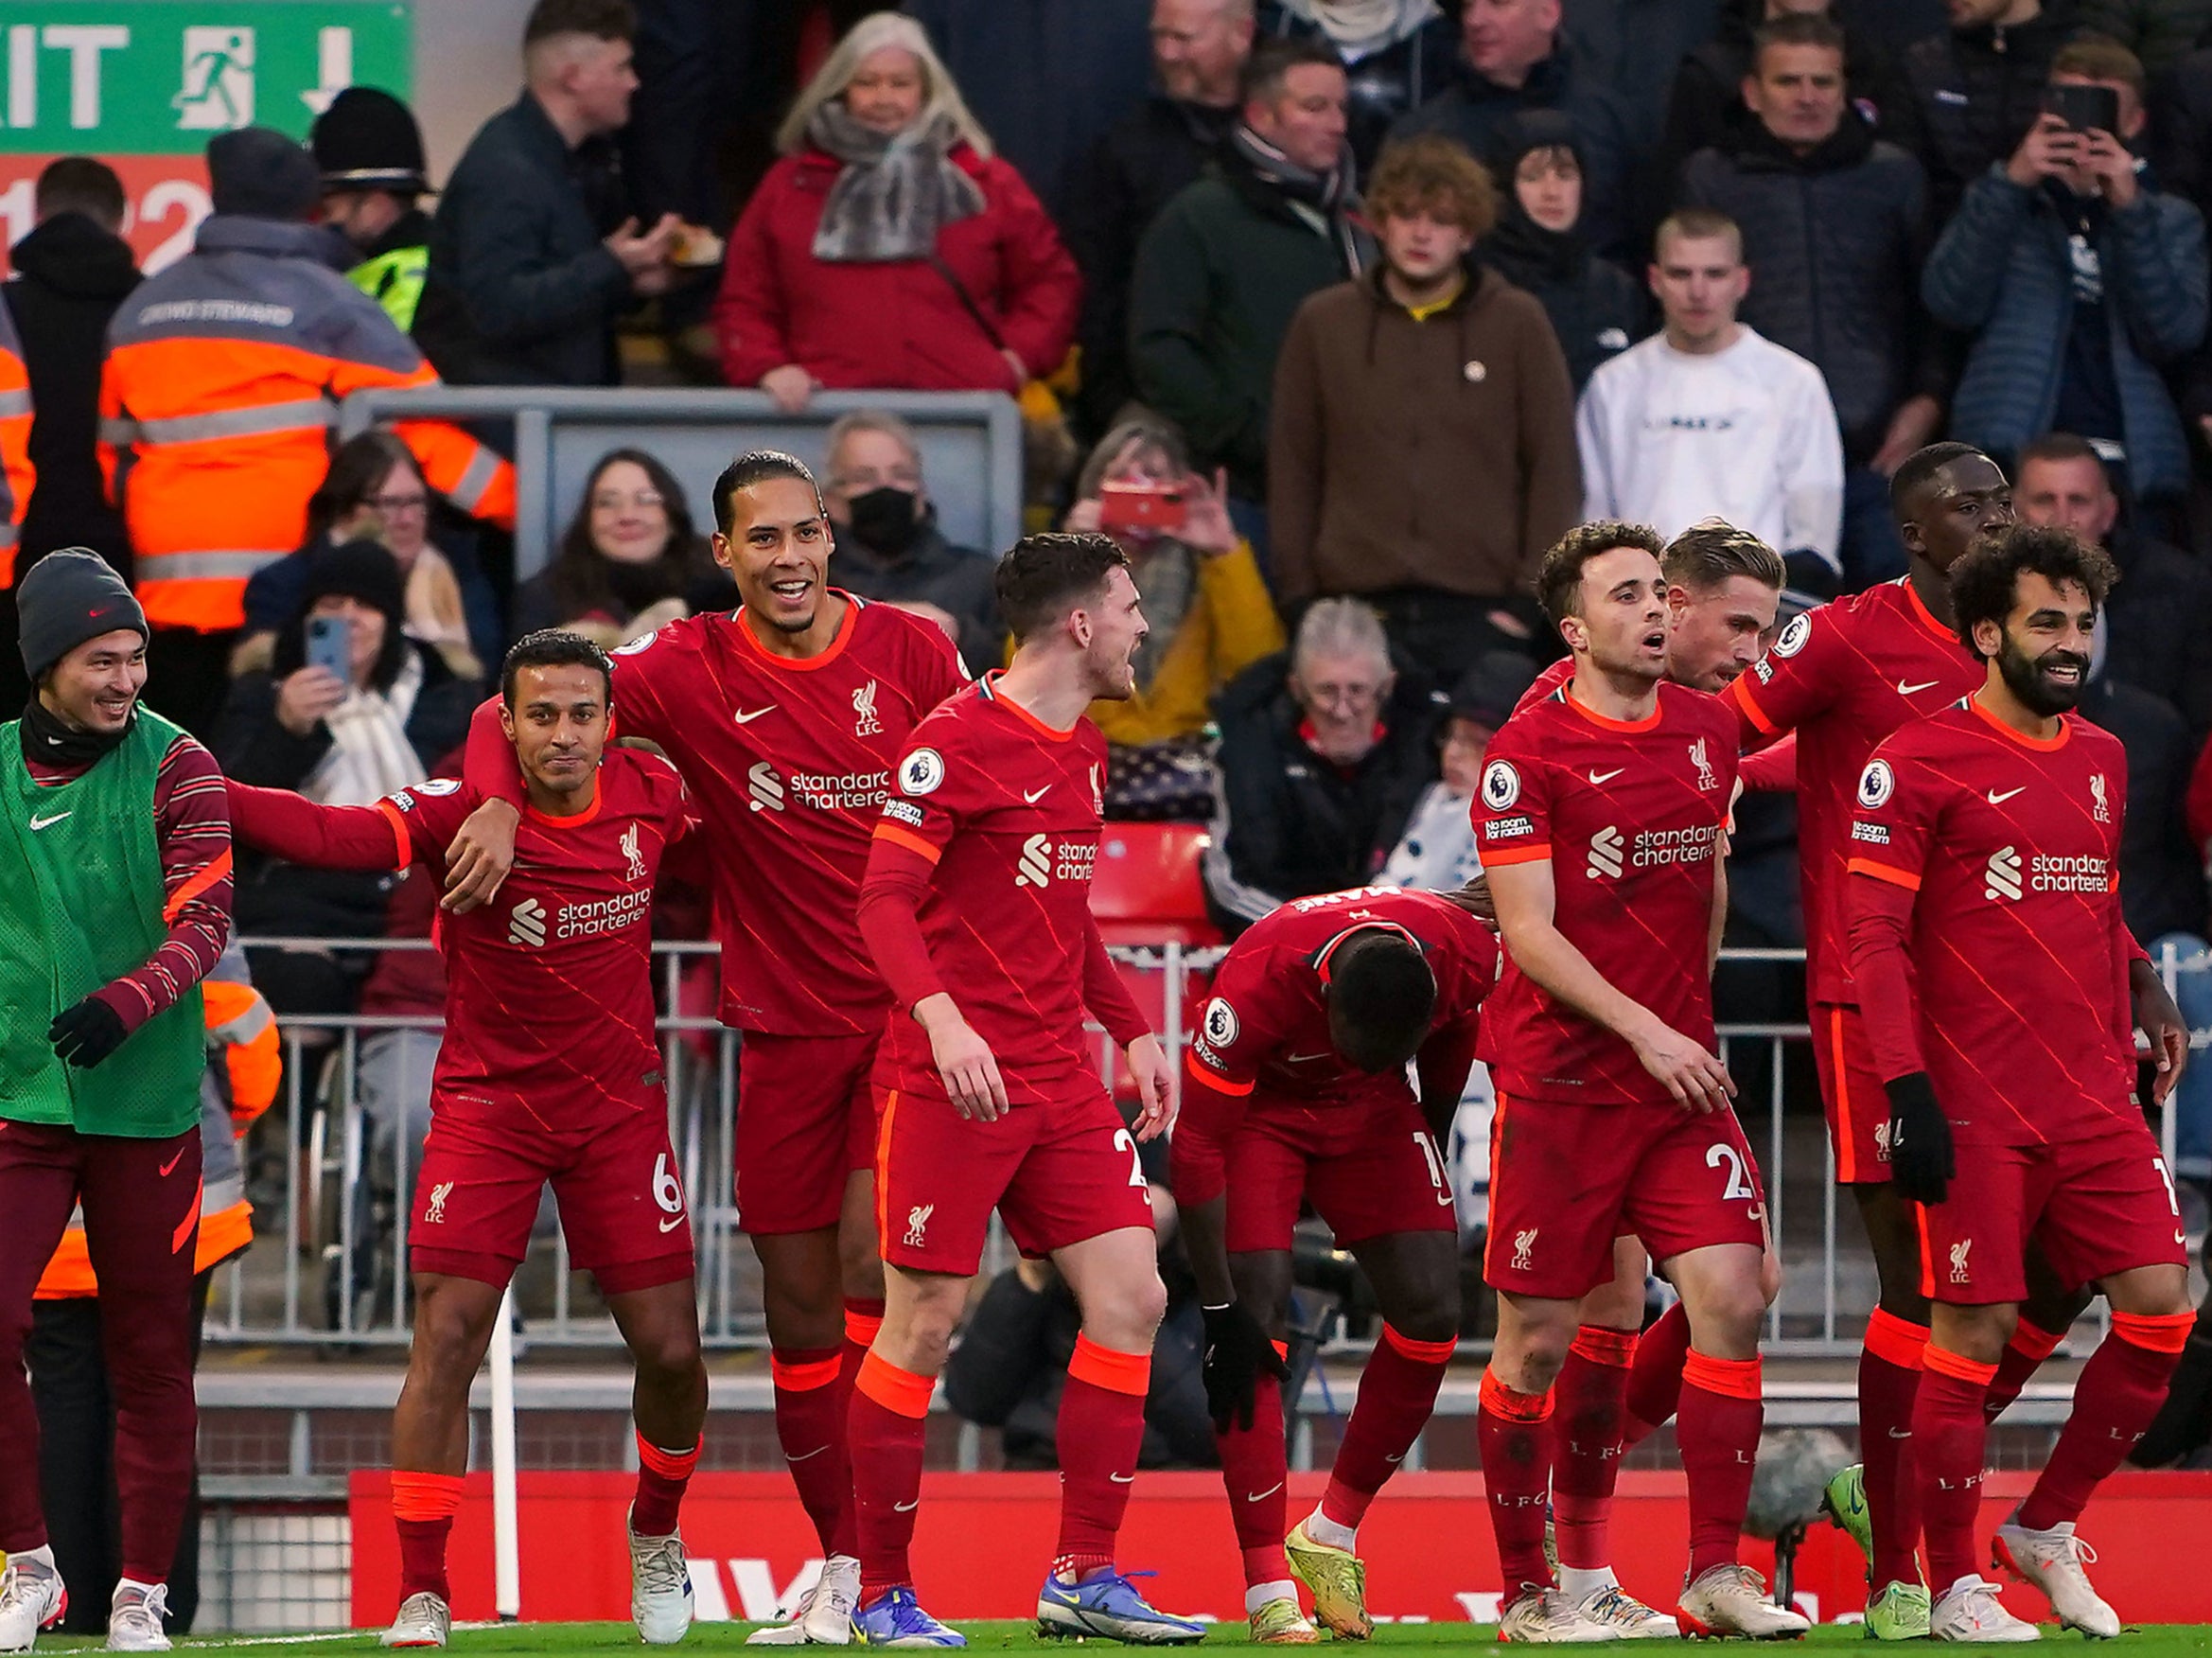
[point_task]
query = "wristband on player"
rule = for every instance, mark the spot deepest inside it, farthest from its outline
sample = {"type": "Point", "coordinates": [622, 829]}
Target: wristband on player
{"type": "Point", "coordinates": [1921, 1158]}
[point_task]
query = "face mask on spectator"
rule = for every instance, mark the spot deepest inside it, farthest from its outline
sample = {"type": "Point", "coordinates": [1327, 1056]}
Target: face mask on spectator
{"type": "Point", "coordinates": [885, 521]}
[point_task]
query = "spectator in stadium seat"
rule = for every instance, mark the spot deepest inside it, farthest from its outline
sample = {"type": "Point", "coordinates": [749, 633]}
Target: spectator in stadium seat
{"type": "Point", "coordinates": [1835, 227]}
{"type": "Point", "coordinates": [1396, 56]}
{"type": "Point", "coordinates": [891, 247]}
{"type": "Point", "coordinates": [1325, 752]}
{"type": "Point", "coordinates": [1512, 59]}
{"type": "Point", "coordinates": [1437, 852]}
{"type": "Point", "coordinates": [2160, 33]}
{"type": "Point", "coordinates": [1970, 94]}
{"type": "Point", "coordinates": [1708, 418]}
{"type": "Point", "coordinates": [889, 546]}
{"type": "Point", "coordinates": [1210, 615]}
{"type": "Point", "coordinates": [2083, 283]}
{"type": "Point", "coordinates": [1540, 244]}
{"type": "Point", "coordinates": [531, 255]}
{"type": "Point", "coordinates": [1230, 260]}
{"type": "Point", "coordinates": [370, 151]}
{"type": "Point", "coordinates": [629, 561]}
{"type": "Point", "coordinates": [1199, 49]}
{"type": "Point", "coordinates": [1423, 453]}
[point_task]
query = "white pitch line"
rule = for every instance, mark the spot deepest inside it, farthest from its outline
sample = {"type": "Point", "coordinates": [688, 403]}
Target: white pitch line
{"type": "Point", "coordinates": [217, 1644]}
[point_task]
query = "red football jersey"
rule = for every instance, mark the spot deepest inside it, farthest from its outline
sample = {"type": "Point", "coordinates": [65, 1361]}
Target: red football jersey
{"type": "Point", "coordinates": [789, 763]}
{"type": "Point", "coordinates": [2019, 955]}
{"type": "Point", "coordinates": [549, 999]}
{"type": "Point", "coordinates": [1009, 811]}
{"type": "Point", "coordinates": [1631, 816]}
{"type": "Point", "coordinates": [1267, 1025]}
{"type": "Point", "coordinates": [1843, 677]}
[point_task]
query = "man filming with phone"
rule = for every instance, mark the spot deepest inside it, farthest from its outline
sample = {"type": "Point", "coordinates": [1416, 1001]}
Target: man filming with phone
{"type": "Point", "coordinates": [2081, 280]}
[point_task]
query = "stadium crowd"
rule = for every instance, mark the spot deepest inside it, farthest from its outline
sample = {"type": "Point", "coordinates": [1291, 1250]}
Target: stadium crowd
{"type": "Point", "coordinates": [1330, 322]}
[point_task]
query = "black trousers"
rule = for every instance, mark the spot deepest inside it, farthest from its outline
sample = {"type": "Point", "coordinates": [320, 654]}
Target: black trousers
{"type": "Point", "coordinates": [77, 1475]}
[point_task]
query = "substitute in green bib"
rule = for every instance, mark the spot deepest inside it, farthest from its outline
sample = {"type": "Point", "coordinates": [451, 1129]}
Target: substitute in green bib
{"type": "Point", "coordinates": [115, 903]}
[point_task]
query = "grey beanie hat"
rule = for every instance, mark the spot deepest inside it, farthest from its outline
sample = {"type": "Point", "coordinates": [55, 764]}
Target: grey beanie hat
{"type": "Point", "coordinates": [69, 596]}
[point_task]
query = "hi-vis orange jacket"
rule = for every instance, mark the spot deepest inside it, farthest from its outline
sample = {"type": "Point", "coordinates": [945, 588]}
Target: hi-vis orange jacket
{"type": "Point", "coordinates": [16, 474]}
{"type": "Point", "coordinates": [220, 388]}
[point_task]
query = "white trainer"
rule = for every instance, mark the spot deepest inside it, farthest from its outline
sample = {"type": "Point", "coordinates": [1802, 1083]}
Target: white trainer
{"type": "Point", "coordinates": [32, 1597]}
{"type": "Point", "coordinates": [1545, 1614]}
{"type": "Point", "coordinates": [134, 1619]}
{"type": "Point", "coordinates": [1614, 1607]}
{"type": "Point", "coordinates": [1969, 1611]}
{"type": "Point", "coordinates": [823, 1616]}
{"type": "Point", "coordinates": [423, 1620]}
{"type": "Point", "coordinates": [1733, 1600]}
{"type": "Point", "coordinates": [2051, 1561]}
{"type": "Point", "coordinates": [661, 1587]}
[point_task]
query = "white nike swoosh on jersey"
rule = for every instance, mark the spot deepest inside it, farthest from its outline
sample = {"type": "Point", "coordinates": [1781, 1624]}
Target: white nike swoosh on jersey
{"type": "Point", "coordinates": [38, 823]}
{"type": "Point", "coordinates": [1998, 800]}
{"type": "Point", "coordinates": [1602, 778]}
{"type": "Point", "coordinates": [1255, 1496]}
{"type": "Point", "coordinates": [805, 1456]}
{"type": "Point", "coordinates": [1308, 1058]}
{"type": "Point", "coordinates": [1900, 1433]}
{"type": "Point", "coordinates": [1122, 1478]}
{"type": "Point", "coordinates": [1904, 690]}
{"type": "Point", "coordinates": [670, 1224]}
{"type": "Point", "coordinates": [744, 719]}
{"type": "Point", "coordinates": [905, 1508]}
{"type": "Point", "coordinates": [1039, 795]}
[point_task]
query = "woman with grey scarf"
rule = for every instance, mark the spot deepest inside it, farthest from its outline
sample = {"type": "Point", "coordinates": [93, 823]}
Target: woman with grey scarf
{"type": "Point", "coordinates": [890, 248]}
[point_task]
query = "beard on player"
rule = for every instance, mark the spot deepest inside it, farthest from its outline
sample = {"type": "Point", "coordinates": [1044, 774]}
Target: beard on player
{"type": "Point", "coordinates": [1630, 647]}
{"type": "Point", "coordinates": [2049, 684]}
{"type": "Point", "coordinates": [557, 720]}
{"type": "Point", "coordinates": [778, 551]}
{"type": "Point", "coordinates": [1118, 627]}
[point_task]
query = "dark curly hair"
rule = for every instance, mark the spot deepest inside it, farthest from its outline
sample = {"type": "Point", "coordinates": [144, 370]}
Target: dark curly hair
{"type": "Point", "coordinates": [1559, 577]}
{"type": "Point", "coordinates": [1986, 581]}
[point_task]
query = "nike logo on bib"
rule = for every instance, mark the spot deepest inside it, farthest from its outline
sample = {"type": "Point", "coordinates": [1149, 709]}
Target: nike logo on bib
{"type": "Point", "coordinates": [45, 823]}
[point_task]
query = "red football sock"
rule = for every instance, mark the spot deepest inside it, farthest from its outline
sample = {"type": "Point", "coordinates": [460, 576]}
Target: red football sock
{"type": "Point", "coordinates": [886, 1432]}
{"type": "Point", "coordinates": [2024, 1354]}
{"type": "Point", "coordinates": [1515, 1441]}
{"type": "Point", "coordinates": [661, 1478]}
{"type": "Point", "coordinates": [423, 1507]}
{"type": "Point", "coordinates": [1253, 1467]}
{"type": "Point", "coordinates": [2120, 1390]}
{"type": "Point", "coordinates": [1101, 1428]}
{"type": "Point", "coordinates": [863, 1318]}
{"type": "Point", "coordinates": [1398, 1391]}
{"type": "Point", "coordinates": [1722, 1413]}
{"type": "Point", "coordinates": [1655, 1379]}
{"type": "Point", "coordinates": [1949, 1434]}
{"type": "Point", "coordinates": [1890, 1379]}
{"type": "Point", "coordinates": [810, 1425]}
{"type": "Point", "coordinates": [1589, 1400]}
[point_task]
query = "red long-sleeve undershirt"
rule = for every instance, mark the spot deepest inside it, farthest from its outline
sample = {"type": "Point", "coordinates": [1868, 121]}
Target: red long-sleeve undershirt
{"type": "Point", "coordinates": [292, 827]}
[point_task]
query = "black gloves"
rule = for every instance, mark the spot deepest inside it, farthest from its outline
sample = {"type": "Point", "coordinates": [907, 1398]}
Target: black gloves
{"type": "Point", "coordinates": [1921, 1160]}
{"type": "Point", "coordinates": [1238, 1352]}
{"type": "Point", "coordinates": [86, 1033]}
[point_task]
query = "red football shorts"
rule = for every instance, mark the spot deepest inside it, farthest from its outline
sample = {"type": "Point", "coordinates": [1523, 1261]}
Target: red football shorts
{"type": "Point", "coordinates": [805, 1122]}
{"type": "Point", "coordinates": [1566, 1179]}
{"type": "Point", "coordinates": [1057, 1173]}
{"type": "Point", "coordinates": [1851, 1094]}
{"type": "Point", "coordinates": [1370, 1171]}
{"type": "Point", "coordinates": [621, 1200]}
{"type": "Point", "coordinates": [2096, 1206]}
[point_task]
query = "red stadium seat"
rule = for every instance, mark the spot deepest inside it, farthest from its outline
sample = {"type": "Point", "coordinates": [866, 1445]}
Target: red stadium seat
{"type": "Point", "coordinates": [1145, 888]}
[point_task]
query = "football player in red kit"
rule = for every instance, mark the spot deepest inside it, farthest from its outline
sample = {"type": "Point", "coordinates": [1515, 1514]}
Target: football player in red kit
{"type": "Point", "coordinates": [1603, 814]}
{"type": "Point", "coordinates": [785, 718]}
{"type": "Point", "coordinates": [977, 908]}
{"type": "Point", "coordinates": [572, 1094]}
{"type": "Point", "coordinates": [1995, 971]}
{"type": "Point", "coordinates": [1299, 1091]}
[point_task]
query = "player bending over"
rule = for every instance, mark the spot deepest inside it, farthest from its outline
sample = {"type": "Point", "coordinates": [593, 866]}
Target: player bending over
{"type": "Point", "coordinates": [1602, 813]}
{"type": "Point", "coordinates": [1996, 976]}
{"type": "Point", "coordinates": [548, 1071]}
{"type": "Point", "coordinates": [1299, 1091]}
{"type": "Point", "coordinates": [977, 906]}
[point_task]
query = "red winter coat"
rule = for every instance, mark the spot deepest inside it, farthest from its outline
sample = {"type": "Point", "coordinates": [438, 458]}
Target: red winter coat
{"type": "Point", "coordinates": [898, 326]}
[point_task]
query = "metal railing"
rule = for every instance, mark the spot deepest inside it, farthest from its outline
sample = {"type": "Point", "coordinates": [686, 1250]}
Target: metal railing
{"type": "Point", "coordinates": [329, 1221]}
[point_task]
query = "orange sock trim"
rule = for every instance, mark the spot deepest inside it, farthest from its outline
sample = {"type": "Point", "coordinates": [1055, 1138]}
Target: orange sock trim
{"type": "Point", "coordinates": [860, 1328]}
{"type": "Point", "coordinates": [1602, 1346]}
{"type": "Point", "coordinates": [1421, 1352]}
{"type": "Point", "coordinates": [668, 1464]}
{"type": "Point", "coordinates": [425, 1496]}
{"type": "Point", "coordinates": [2157, 1333]}
{"type": "Point", "coordinates": [1949, 1364]}
{"type": "Point", "coordinates": [1103, 1367]}
{"type": "Point", "coordinates": [1501, 1401]}
{"type": "Point", "coordinates": [901, 1392]}
{"type": "Point", "coordinates": [805, 1376]}
{"type": "Point", "coordinates": [2032, 1341]}
{"type": "Point", "coordinates": [1735, 1378]}
{"type": "Point", "coordinates": [1899, 1341]}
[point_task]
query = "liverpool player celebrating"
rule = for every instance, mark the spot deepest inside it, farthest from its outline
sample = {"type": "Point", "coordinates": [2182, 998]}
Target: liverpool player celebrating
{"type": "Point", "coordinates": [786, 720]}
{"type": "Point", "coordinates": [572, 1096]}
{"type": "Point", "coordinates": [1613, 1113]}
{"type": "Point", "coordinates": [1993, 969]}
{"type": "Point", "coordinates": [977, 906]}
{"type": "Point", "coordinates": [1299, 1090]}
